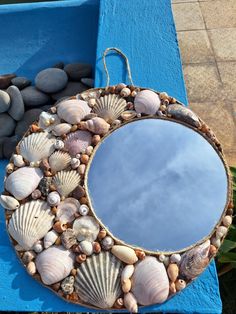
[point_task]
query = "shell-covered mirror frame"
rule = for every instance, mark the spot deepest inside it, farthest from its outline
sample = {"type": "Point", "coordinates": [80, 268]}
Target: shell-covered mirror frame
{"type": "Point", "coordinates": [52, 225]}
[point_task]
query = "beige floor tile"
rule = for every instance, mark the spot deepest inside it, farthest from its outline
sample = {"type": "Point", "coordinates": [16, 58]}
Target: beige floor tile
{"type": "Point", "coordinates": [188, 16]}
{"type": "Point", "coordinates": [181, 1]}
{"type": "Point", "coordinates": [219, 14]}
{"type": "Point", "coordinates": [195, 47]}
{"type": "Point", "coordinates": [224, 43]}
{"type": "Point", "coordinates": [202, 82]}
{"type": "Point", "coordinates": [230, 157]}
{"type": "Point", "coordinates": [228, 77]}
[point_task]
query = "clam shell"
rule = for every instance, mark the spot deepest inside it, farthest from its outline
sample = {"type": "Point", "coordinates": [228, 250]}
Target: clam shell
{"type": "Point", "coordinates": [128, 115]}
{"type": "Point", "coordinates": [30, 222]}
{"type": "Point", "coordinates": [77, 142]}
{"type": "Point", "coordinates": [9, 202]}
{"type": "Point", "coordinates": [66, 181]}
{"type": "Point", "coordinates": [98, 280]}
{"type": "Point", "coordinates": [22, 182]}
{"type": "Point", "coordinates": [54, 264]}
{"type": "Point", "coordinates": [147, 102]}
{"type": "Point", "coordinates": [150, 282]}
{"type": "Point", "coordinates": [50, 238]}
{"type": "Point", "coordinates": [182, 113]}
{"type": "Point", "coordinates": [66, 209]}
{"type": "Point", "coordinates": [73, 110]}
{"type": "Point", "coordinates": [86, 228]}
{"type": "Point", "coordinates": [194, 261]}
{"type": "Point", "coordinates": [109, 107]}
{"type": "Point", "coordinates": [124, 253]}
{"type": "Point", "coordinates": [37, 146]}
{"type": "Point", "coordinates": [97, 125]}
{"type": "Point", "coordinates": [62, 128]}
{"type": "Point", "coordinates": [59, 161]}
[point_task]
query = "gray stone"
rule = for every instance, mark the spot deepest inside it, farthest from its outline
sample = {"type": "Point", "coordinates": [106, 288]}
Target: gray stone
{"type": "Point", "coordinates": [5, 101]}
{"type": "Point", "coordinates": [51, 80]}
{"type": "Point", "coordinates": [5, 80]}
{"type": "Point", "coordinates": [32, 97]}
{"type": "Point", "coordinates": [20, 82]}
{"type": "Point", "coordinates": [28, 118]}
{"type": "Point", "coordinates": [9, 145]}
{"type": "Point", "coordinates": [88, 81]}
{"type": "Point", "coordinates": [2, 139]}
{"type": "Point", "coordinates": [17, 107]}
{"type": "Point", "coordinates": [7, 125]}
{"type": "Point", "coordinates": [71, 89]}
{"type": "Point", "coordinates": [76, 71]}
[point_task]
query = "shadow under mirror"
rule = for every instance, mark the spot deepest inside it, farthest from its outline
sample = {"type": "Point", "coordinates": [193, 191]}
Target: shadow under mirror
{"type": "Point", "coordinates": [157, 184]}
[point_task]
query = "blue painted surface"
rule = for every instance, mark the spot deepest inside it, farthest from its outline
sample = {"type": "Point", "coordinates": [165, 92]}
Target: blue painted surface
{"type": "Point", "coordinates": [33, 36]}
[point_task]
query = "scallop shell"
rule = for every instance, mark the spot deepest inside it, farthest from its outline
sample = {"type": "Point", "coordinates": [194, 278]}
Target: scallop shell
{"type": "Point", "coordinates": [86, 228]}
{"type": "Point", "coordinates": [50, 238]}
{"type": "Point", "coordinates": [147, 102]}
{"type": "Point", "coordinates": [59, 161]}
{"type": "Point", "coordinates": [37, 146]}
{"type": "Point", "coordinates": [98, 280]}
{"type": "Point", "coordinates": [62, 128]}
{"type": "Point", "coordinates": [66, 209]}
{"type": "Point", "coordinates": [125, 254]}
{"type": "Point", "coordinates": [54, 264]}
{"type": "Point", "coordinates": [97, 125]}
{"type": "Point", "coordinates": [194, 261]}
{"type": "Point", "coordinates": [73, 110]}
{"type": "Point", "coordinates": [66, 181]}
{"type": "Point", "coordinates": [53, 198]}
{"type": "Point", "coordinates": [109, 107]}
{"type": "Point", "coordinates": [77, 142]}
{"type": "Point", "coordinates": [182, 113]}
{"type": "Point", "coordinates": [22, 182]}
{"type": "Point", "coordinates": [9, 202]}
{"type": "Point", "coordinates": [150, 282]}
{"type": "Point", "coordinates": [48, 121]}
{"type": "Point", "coordinates": [30, 222]}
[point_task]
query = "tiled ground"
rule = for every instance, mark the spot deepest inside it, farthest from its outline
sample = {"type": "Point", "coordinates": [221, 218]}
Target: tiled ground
{"type": "Point", "coordinates": [207, 39]}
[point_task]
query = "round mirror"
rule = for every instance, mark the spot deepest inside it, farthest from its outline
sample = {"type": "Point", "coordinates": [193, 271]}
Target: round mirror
{"type": "Point", "coordinates": [157, 184]}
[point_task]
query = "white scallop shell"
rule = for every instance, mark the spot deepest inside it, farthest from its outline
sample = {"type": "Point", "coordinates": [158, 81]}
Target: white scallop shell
{"type": "Point", "coordinates": [73, 110]}
{"type": "Point", "coordinates": [9, 202]}
{"type": "Point", "coordinates": [86, 228]}
{"type": "Point", "coordinates": [98, 280]}
{"type": "Point", "coordinates": [147, 102]}
{"type": "Point", "coordinates": [66, 181]}
{"type": "Point", "coordinates": [109, 107]}
{"type": "Point", "coordinates": [66, 209]}
{"type": "Point", "coordinates": [50, 238]}
{"type": "Point", "coordinates": [37, 146]}
{"type": "Point", "coordinates": [30, 222]}
{"type": "Point", "coordinates": [62, 128]}
{"type": "Point", "coordinates": [54, 264]}
{"type": "Point", "coordinates": [22, 182]}
{"type": "Point", "coordinates": [59, 161]}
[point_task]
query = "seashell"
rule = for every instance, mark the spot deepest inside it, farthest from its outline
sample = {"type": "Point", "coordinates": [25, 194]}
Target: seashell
{"type": "Point", "coordinates": [37, 146]}
{"type": "Point", "coordinates": [194, 261]}
{"type": "Point", "coordinates": [227, 221]}
{"type": "Point", "coordinates": [86, 247]}
{"type": "Point", "coordinates": [213, 250]}
{"type": "Point", "coordinates": [146, 102]}
{"type": "Point", "coordinates": [89, 150]}
{"type": "Point", "coordinates": [172, 287]}
{"type": "Point", "coordinates": [50, 238]}
{"type": "Point", "coordinates": [73, 110]}
{"type": "Point", "coordinates": [38, 247]}
{"type": "Point", "coordinates": [221, 231]}
{"type": "Point", "coordinates": [180, 284]}
{"type": "Point", "coordinates": [68, 238]}
{"type": "Point", "coordinates": [44, 185]}
{"type": "Point", "coordinates": [98, 280]}
{"type": "Point", "coordinates": [173, 272]}
{"type": "Point", "coordinates": [22, 182]}
{"type": "Point", "coordinates": [77, 142]}
{"type": "Point", "coordinates": [119, 303]}
{"type": "Point", "coordinates": [59, 161]}
{"type": "Point", "coordinates": [125, 92]}
{"type": "Point", "coordinates": [86, 228]}
{"type": "Point", "coordinates": [30, 222]}
{"type": "Point", "coordinates": [124, 253]}
{"type": "Point", "coordinates": [36, 194]}
{"type": "Point", "coordinates": [28, 256]}
{"type": "Point", "coordinates": [184, 114]}
{"type": "Point", "coordinates": [53, 199]}
{"type": "Point", "coordinates": [48, 121]}
{"type": "Point", "coordinates": [66, 209]}
{"type": "Point", "coordinates": [150, 282]}
{"type": "Point", "coordinates": [83, 210]}
{"type": "Point", "coordinates": [54, 264]}
{"type": "Point", "coordinates": [216, 242]}
{"type": "Point", "coordinates": [78, 192]}
{"type": "Point", "coordinates": [59, 144]}
{"type": "Point", "coordinates": [175, 258]}
{"type": "Point", "coordinates": [75, 162]}
{"type": "Point", "coordinates": [107, 243]}
{"type": "Point", "coordinates": [109, 107]}
{"type": "Point", "coordinates": [97, 125]}
{"type": "Point", "coordinates": [9, 202]}
{"type": "Point", "coordinates": [10, 168]}
{"type": "Point", "coordinates": [59, 226]}
{"type": "Point", "coordinates": [31, 268]}
{"type": "Point", "coordinates": [18, 160]}
{"type": "Point", "coordinates": [62, 128]}
{"type": "Point", "coordinates": [130, 302]}
{"type": "Point", "coordinates": [126, 285]}
{"type": "Point", "coordinates": [66, 181]}
{"type": "Point", "coordinates": [127, 272]}
{"type": "Point", "coordinates": [161, 257]}
{"type": "Point", "coordinates": [89, 94]}
{"type": "Point", "coordinates": [128, 115]}
{"type": "Point", "coordinates": [67, 285]}
{"type": "Point", "coordinates": [81, 169]}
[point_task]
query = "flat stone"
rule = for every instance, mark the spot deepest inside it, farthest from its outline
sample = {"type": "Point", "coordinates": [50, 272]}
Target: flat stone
{"type": "Point", "coordinates": [88, 81]}
{"type": "Point", "coordinates": [2, 139]}
{"type": "Point", "coordinates": [228, 76]}
{"type": "Point", "coordinates": [5, 80]}
{"type": "Point", "coordinates": [71, 89]}
{"type": "Point", "coordinates": [20, 82]}
{"type": "Point", "coordinates": [32, 97]}
{"type": "Point", "coordinates": [51, 80]}
{"type": "Point", "coordinates": [9, 146]}
{"type": "Point", "coordinates": [17, 107]}
{"type": "Point", "coordinates": [76, 71]}
{"type": "Point", "coordinates": [28, 118]}
{"type": "Point", "coordinates": [5, 101]}
{"type": "Point", "coordinates": [7, 125]}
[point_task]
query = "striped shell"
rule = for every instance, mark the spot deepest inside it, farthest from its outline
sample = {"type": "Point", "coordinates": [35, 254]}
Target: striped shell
{"type": "Point", "coordinates": [73, 110]}
{"type": "Point", "coordinates": [109, 107]}
{"type": "Point", "coordinates": [66, 181]}
{"type": "Point", "coordinates": [37, 146]}
{"type": "Point", "coordinates": [98, 280]}
{"type": "Point", "coordinates": [62, 128]}
{"type": "Point", "coordinates": [66, 209]}
{"type": "Point", "coordinates": [147, 102]}
{"type": "Point", "coordinates": [77, 142]}
{"type": "Point", "coordinates": [30, 223]}
{"type": "Point", "coordinates": [59, 161]}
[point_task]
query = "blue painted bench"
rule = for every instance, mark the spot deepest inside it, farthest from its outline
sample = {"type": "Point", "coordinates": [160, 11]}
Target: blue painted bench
{"type": "Point", "coordinates": [34, 36]}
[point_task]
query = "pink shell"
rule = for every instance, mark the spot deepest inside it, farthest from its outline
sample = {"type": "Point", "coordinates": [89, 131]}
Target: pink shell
{"type": "Point", "coordinates": [77, 142]}
{"type": "Point", "coordinates": [147, 102]}
{"type": "Point", "coordinates": [73, 110]}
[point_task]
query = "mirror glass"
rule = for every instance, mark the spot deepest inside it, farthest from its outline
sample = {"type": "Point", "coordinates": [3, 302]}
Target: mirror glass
{"type": "Point", "coordinates": [157, 184]}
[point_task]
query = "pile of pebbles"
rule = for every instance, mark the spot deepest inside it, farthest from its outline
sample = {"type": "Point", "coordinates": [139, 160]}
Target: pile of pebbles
{"type": "Point", "coordinates": [21, 102]}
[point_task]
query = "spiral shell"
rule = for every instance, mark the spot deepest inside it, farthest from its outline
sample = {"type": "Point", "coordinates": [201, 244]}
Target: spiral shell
{"type": "Point", "coordinates": [77, 142]}
{"type": "Point", "coordinates": [62, 128]}
{"type": "Point", "coordinates": [59, 161]}
{"type": "Point", "coordinates": [66, 181]}
{"type": "Point", "coordinates": [97, 125]}
{"type": "Point", "coordinates": [147, 102]}
{"type": "Point", "coordinates": [53, 198]}
{"type": "Point", "coordinates": [73, 110]}
{"type": "Point", "coordinates": [66, 209]}
{"type": "Point", "coordinates": [9, 202]}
